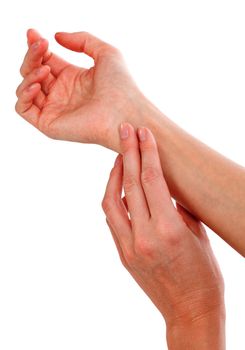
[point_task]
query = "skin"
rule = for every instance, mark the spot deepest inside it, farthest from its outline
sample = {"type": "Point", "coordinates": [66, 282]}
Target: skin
{"type": "Point", "coordinates": [72, 103]}
{"type": "Point", "coordinates": [87, 105]}
{"type": "Point", "coordinates": [165, 250]}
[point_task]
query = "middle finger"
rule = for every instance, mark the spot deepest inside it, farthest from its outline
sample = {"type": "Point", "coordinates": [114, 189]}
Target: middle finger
{"type": "Point", "coordinates": [137, 205]}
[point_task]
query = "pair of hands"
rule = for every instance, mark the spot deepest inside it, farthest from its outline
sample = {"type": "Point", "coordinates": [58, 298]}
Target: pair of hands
{"type": "Point", "coordinates": [166, 250]}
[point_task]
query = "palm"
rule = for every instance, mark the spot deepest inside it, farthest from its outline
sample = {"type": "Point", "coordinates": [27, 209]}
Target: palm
{"type": "Point", "coordinates": [74, 103]}
{"type": "Point", "coordinates": [82, 102]}
{"type": "Point", "coordinates": [78, 100]}
{"type": "Point", "coordinates": [69, 97]}
{"type": "Point", "coordinates": [64, 94]}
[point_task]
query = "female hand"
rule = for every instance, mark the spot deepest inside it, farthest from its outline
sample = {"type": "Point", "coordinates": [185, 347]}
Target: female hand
{"type": "Point", "coordinates": [72, 103]}
{"type": "Point", "coordinates": [166, 250]}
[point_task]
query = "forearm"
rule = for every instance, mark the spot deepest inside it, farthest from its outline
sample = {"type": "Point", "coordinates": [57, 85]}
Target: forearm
{"type": "Point", "coordinates": [210, 186]}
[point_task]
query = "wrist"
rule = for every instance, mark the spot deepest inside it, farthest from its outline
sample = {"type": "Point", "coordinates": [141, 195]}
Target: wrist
{"type": "Point", "coordinates": [138, 111]}
{"type": "Point", "coordinates": [202, 333]}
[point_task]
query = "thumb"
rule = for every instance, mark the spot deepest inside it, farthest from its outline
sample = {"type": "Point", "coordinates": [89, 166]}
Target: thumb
{"type": "Point", "coordinates": [82, 42]}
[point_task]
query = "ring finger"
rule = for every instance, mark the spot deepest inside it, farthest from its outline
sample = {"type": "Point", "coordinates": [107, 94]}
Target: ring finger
{"type": "Point", "coordinates": [36, 76]}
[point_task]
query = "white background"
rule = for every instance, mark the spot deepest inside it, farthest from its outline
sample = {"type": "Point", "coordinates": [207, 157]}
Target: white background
{"type": "Point", "coordinates": [62, 285]}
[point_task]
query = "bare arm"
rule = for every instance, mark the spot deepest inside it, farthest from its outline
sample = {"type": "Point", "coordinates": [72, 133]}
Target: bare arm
{"type": "Point", "coordinates": [206, 183]}
{"type": "Point", "coordinates": [72, 103]}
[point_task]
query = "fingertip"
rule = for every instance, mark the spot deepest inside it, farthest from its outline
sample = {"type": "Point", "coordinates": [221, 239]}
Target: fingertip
{"type": "Point", "coordinates": [58, 35]}
{"type": "Point", "coordinates": [29, 36]}
{"type": "Point", "coordinates": [142, 134]}
{"type": "Point", "coordinates": [125, 131]}
{"type": "Point", "coordinates": [117, 160]}
{"type": "Point", "coordinates": [33, 88]}
{"type": "Point", "coordinates": [46, 68]}
{"type": "Point", "coordinates": [32, 36]}
{"type": "Point", "coordinates": [145, 134]}
{"type": "Point", "coordinates": [31, 31]}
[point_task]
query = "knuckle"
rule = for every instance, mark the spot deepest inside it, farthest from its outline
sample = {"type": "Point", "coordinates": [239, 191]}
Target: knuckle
{"type": "Point", "coordinates": [144, 248]}
{"type": "Point", "coordinates": [17, 107]}
{"type": "Point", "coordinates": [129, 258]}
{"type": "Point", "coordinates": [150, 174]}
{"type": "Point", "coordinates": [107, 204]}
{"type": "Point", "coordinates": [149, 146]}
{"type": "Point", "coordinates": [172, 239]}
{"type": "Point", "coordinates": [47, 57]}
{"type": "Point", "coordinates": [17, 92]}
{"type": "Point", "coordinates": [129, 183]}
{"type": "Point", "coordinates": [22, 71]}
{"type": "Point", "coordinates": [171, 232]}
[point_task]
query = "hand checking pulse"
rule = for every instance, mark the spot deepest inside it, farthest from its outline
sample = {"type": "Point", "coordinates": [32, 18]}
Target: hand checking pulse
{"type": "Point", "coordinates": [167, 251]}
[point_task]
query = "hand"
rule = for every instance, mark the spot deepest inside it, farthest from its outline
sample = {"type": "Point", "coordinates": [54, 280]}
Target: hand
{"type": "Point", "coordinates": [72, 103]}
{"type": "Point", "coordinates": [166, 250]}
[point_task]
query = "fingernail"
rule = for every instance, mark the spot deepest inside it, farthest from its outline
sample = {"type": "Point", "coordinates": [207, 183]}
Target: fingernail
{"type": "Point", "coordinates": [117, 161]}
{"type": "Point", "coordinates": [36, 44]}
{"type": "Point", "coordinates": [31, 87]}
{"type": "Point", "coordinates": [124, 131]}
{"type": "Point", "coordinates": [142, 134]}
{"type": "Point", "coordinates": [39, 70]}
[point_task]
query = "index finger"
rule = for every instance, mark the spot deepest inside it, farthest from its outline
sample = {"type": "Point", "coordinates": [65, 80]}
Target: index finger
{"type": "Point", "coordinates": [34, 57]}
{"type": "Point", "coordinates": [131, 174]}
{"type": "Point", "coordinates": [152, 179]}
{"type": "Point", "coordinates": [56, 63]}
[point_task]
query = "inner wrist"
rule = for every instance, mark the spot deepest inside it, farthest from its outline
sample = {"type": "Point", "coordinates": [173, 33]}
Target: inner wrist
{"type": "Point", "coordinates": [139, 111]}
